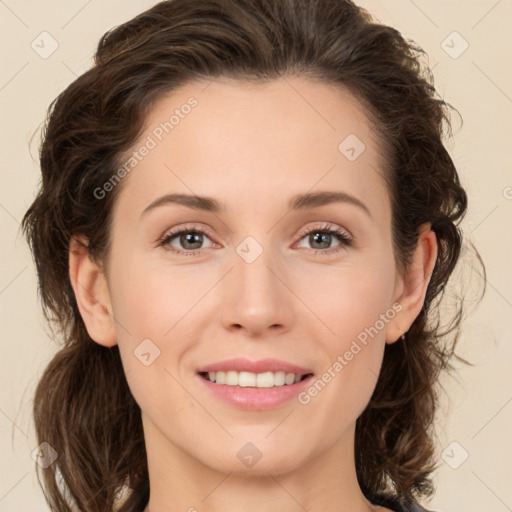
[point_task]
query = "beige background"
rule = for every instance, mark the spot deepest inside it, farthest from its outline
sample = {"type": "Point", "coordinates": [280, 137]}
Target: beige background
{"type": "Point", "coordinates": [478, 413]}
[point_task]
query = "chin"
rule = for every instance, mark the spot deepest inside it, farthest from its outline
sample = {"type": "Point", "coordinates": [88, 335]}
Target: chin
{"type": "Point", "coordinates": [250, 461]}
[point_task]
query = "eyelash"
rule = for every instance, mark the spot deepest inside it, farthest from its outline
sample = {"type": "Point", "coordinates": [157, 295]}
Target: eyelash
{"type": "Point", "coordinates": [346, 240]}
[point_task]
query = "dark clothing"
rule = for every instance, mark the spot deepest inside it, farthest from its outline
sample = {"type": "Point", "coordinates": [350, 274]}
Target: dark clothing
{"type": "Point", "coordinates": [396, 505]}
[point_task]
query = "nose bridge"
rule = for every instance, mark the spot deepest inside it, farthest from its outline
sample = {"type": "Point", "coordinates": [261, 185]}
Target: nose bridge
{"type": "Point", "coordinates": [257, 297]}
{"type": "Point", "coordinates": [253, 264]}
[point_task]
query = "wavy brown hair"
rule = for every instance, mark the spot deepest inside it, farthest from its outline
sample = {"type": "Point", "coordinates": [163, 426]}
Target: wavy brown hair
{"type": "Point", "coordinates": [83, 406]}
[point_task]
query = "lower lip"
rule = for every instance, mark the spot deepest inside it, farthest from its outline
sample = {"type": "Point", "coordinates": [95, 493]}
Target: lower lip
{"type": "Point", "coordinates": [256, 398]}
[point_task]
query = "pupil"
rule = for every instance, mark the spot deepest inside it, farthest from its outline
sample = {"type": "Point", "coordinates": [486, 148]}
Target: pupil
{"type": "Point", "coordinates": [191, 238]}
{"type": "Point", "coordinates": [323, 239]}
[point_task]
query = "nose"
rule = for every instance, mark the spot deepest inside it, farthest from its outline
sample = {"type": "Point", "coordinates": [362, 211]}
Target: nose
{"type": "Point", "coordinates": [256, 297]}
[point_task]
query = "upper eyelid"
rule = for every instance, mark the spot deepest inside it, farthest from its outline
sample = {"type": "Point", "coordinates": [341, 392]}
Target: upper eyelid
{"type": "Point", "coordinates": [327, 226]}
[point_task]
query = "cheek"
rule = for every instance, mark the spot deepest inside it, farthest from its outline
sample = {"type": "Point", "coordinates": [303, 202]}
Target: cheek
{"type": "Point", "coordinates": [148, 300]}
{"type": "Point", "coordinates": [150, 317]}
{"type": "Point", "coordinates": [158, 311]}
{"type": "Point", "coordinates": [354, 311]}
{"type": "Point", "coordinates": [348, 299]}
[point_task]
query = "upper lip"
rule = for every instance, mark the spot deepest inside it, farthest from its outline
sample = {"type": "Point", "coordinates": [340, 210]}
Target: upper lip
{"type": "Point", "coordinates": [263, 365]}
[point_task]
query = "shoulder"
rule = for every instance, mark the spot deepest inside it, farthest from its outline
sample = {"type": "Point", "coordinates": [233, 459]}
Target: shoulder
{"type": "Point", "coordinates": [419, 508]}
{"type": "Point", "coordinates": [416, 508]}
{"type": "Point", "coordinates": [410, 507]}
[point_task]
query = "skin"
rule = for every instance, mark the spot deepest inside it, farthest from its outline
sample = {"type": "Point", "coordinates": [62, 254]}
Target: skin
{"type": "Point", "coordinates": [252, 147]}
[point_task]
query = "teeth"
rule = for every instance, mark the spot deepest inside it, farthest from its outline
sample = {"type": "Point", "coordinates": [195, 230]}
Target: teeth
{"type": "Point", "coordinates": [249, 379]}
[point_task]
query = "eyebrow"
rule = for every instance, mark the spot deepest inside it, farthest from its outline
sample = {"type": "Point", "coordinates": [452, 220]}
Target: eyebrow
{"type": "Point", "coordinates": [298, 202]}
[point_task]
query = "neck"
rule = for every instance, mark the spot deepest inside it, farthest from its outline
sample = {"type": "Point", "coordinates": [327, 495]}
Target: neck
{"type": "Point", "coordinates": [319, 482]}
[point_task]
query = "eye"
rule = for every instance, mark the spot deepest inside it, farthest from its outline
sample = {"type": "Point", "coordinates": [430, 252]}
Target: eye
{"type": "Point", "coordinates": [190, 238]}
{"type": "Point", "coordinates": [323, 237]}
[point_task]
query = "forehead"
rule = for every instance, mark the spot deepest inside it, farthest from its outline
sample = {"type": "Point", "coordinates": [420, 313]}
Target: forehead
{"type": "Point", "coordinates": [249, 143]}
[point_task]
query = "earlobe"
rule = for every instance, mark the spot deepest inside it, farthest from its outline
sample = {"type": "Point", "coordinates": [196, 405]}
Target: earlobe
{"type": "Point", "coordinates": [414, 284]}
{"type": "Point", "coordinates": [91, 293]}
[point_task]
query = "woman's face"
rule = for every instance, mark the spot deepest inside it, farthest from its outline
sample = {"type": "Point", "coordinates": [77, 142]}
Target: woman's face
{"type": "Point", "coordinates": [264, 281]}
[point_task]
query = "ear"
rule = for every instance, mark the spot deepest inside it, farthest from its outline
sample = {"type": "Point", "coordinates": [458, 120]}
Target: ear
{"type": "Point", "coordinates": [91, 293]}
{"type": "Point", "coordinates": [412, 288]}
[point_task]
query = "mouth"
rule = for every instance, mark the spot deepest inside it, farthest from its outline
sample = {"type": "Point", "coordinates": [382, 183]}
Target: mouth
{"type": "Point", "coordinates": [254, 380]}
{"type": "Point", "coordinates": [255, 385]}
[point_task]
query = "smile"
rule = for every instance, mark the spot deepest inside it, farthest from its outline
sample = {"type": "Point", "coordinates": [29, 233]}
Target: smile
{"type": "Point", "coordinates": [255, 380]}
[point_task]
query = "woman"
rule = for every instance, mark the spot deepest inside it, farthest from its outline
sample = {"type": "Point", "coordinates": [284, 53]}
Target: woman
{"type": "Point", "coordinates": [287, 358]}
